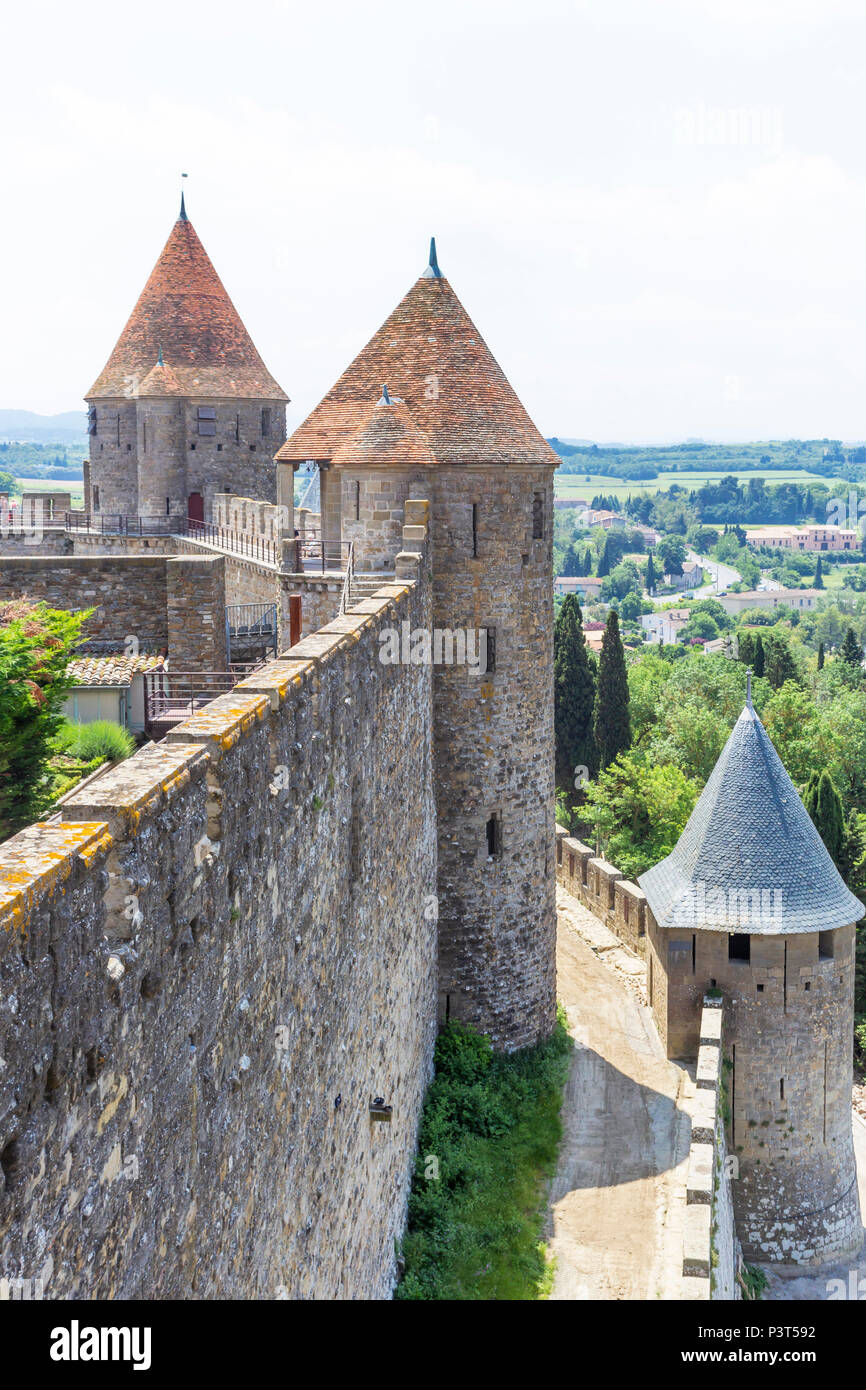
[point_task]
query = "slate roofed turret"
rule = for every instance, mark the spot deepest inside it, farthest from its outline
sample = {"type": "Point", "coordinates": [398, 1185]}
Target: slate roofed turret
{"type": "Point", "coordinates": [185, 316]}
{"type": "Point", "coordinates": [749, 834]}
{"type": "Point", "coordinates": [433, 357]}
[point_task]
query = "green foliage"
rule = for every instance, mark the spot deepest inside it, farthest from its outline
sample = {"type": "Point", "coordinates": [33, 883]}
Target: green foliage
{"type": "Point", "coordinates": [638, 810]}
{"type": "Point", "coordinates": [491, 1121]}
{"type": "Point", "coordinates": [753, 1282]}
{"type": "Point", "coordinates": [851, 651]}
{"type": "Point", "coordinates": [651, 579]}
{"type": "Point", "coordinates": [758, 660]}
{"type": "Point", "coordinates": [574, 685]}
{"type": "Point", "coordinates": [611, 726]}
{"type": "Point", "coordinates": [671, 554]}
{"type": "Point", "coordinates": [102, 739]}
{"type": "Point", "coordinates": [36, 643]}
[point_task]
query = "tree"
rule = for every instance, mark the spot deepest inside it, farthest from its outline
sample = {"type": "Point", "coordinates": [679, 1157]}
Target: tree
{"type": "Point", "coordinates": [650, 575]}
{"type": "Point", "coordinates": [611, 725]}
{"type": "Point", "coordinates": [851, 650]}
{"type": "Point", "coordinates": [574, 681]}
{"type": "Point", "coordinates": [570, 562]}
{"type": "Point", "coordinates": [604, 560]}
{"type": "Point", "coordinates": [819, 576]}
{"type": "Point", "coordinates": [824, 805]}
{"type": "Point", "coordinates": [820, 656]}
{"type": "Point", "coordinates": [779, 663]}
{"type": "Point", "coordinates": [758, 664]}
{"type": "Point", "coordinates": [36, 644]}
{"type": "Point", "coordinates": [671, 551]}
{"type": "Point", "coordinates": [638, 809]}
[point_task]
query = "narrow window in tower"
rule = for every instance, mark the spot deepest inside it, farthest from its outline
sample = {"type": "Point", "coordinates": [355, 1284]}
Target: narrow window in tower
{"type": "Point", "coordinates": [494, 837]}
{"type": "Point", "coordinates": [168, 506]}
{"type": "Point", "coordinates": [144, 436]}
{"type": "Point", "coordinates": [490, 636]}
{"type": "Point", "coordinates": [91, 419]}
{"type": "Point", "coordinates": [825, 945]}
{"type": "Point", "coordinates": [118, 429]}
{"type": "Point", "coordinates": [739, 946]}
{"type": "Point", "coordinates": [559, 849]}
{"type": "Point", "coordinates": [475, 529]}
{"type": "Point", "coordinates": [266, 421]}
{"type": "Point", "coordinates": [206, 419]}
{"type": "Point", "coordinates": [358, 501]}
{"type": "Point", "coordinates": [694, 950]}
{"type": "Point", "coordinates": [96, 499]}
{"type": "Point", "coordinates": [538, 516]}
{"type": "Point", "coordinates": [781, 1088]}
{"type": "Point", "coordinates": [237, 429]}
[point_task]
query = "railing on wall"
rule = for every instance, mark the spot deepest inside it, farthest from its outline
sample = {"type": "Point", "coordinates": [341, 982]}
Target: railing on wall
{"type": "Point", "coordinates": [172, 696]}
{"type": "Point", "coordinates": [345, 596]}
{"type": "Point", "coordinates": [222, 537]}
{"type": "Point", "coordinates": [318, 554]}
{"type": "Point", "coordinates": [251, 630]}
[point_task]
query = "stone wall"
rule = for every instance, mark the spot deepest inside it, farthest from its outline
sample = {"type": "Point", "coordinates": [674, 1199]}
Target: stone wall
{"type": "Point", "coordinates": [320, 599]}
{"type": "Point", "coordinates": [247, 516]}
{"type": "Point", "coordinates": [128, 594]}
{"type": "Point", "coordinates": [211, 967]}
{"type": "Point", "coordinates": [711, 1251]}
{"type": "Point", "coordinates": [601, 888]}
{"type": "Point", "coordinates": [152, 599]}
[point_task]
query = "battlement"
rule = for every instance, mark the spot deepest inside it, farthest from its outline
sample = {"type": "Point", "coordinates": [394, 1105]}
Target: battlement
{"type": "Point", "coordinates": [213, 959]}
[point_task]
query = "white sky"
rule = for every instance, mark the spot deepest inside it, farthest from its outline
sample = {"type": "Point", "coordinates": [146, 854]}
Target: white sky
{"type": "Point", "coordinates": [645, 263]}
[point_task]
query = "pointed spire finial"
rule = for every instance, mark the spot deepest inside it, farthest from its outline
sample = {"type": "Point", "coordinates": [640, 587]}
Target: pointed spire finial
{"type": "Point", "coordinates": [183, 216]}
{"type": "Point", "coordinates": [386, 399]}
{"type": "Point", "coordinates": [748, 687]}
{"type": "Point", "coordinates": [159, 361]}
{"type": "Point", "coordinates": [432, 272]}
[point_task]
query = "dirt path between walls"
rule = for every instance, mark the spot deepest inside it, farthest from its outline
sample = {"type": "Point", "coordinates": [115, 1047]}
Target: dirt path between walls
{"type": "Point", "coordinates": [618, 1195]}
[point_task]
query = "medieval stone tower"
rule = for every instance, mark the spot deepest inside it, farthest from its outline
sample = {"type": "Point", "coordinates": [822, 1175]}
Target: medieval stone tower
{"type": "Point", "coordinates": [448, 427]}
{"type": "Point", "coordinates": [750, 903]}
{"type": "Point", "coordinates": [184, 408]}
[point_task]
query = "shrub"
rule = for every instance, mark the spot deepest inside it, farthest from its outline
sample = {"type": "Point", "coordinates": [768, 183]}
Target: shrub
{"type": "Point", "coordinates": [101, 739]}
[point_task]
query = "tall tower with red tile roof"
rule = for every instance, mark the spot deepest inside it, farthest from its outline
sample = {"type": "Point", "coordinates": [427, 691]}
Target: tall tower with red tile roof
{"type": "Point", "coordinates": [185, 407]}
{"type": "Point", "coordinates": [448, 427]}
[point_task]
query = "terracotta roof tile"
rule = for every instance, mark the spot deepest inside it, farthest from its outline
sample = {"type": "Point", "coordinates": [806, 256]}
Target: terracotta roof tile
{"type": "Point", "coordinates": [109, 670]}
{"type": "Point", "coordinates": [185, 312]}
{"type": "Point", "coordinates": [387, 434]}
{"type": "Point", "coordinates": [431, 354]}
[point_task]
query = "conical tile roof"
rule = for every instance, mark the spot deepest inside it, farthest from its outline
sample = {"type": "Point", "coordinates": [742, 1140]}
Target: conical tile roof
{"type": "Point", "coordinates": [431, 355]}
{"type": "Point", "coordinates": [386, 435]}
{"type": "Point", "coordinates": [750, 859]}
{"type": "Point", "coordinates": [185, 314]}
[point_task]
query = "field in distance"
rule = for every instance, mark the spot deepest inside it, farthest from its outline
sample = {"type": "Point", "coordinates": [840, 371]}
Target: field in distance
{"type": "Point", "coordinates": [578, 485]}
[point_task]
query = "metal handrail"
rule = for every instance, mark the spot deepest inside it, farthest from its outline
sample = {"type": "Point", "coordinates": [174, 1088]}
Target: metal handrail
{"type": "Point", "coordinates": [347, 582]}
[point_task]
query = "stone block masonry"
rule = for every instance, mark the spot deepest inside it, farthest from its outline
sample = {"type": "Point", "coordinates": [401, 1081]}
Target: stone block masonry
{"type": "Point", "coordinates": [210, 968]}
{"type": "Point", "coordinates": [711, 1251]}
{"type": "Point", "coordinates": [621, 905]}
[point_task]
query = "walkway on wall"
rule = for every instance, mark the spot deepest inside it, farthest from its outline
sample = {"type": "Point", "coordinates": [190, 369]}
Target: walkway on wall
{"type": "Point", "coordinates": [618, 1196]}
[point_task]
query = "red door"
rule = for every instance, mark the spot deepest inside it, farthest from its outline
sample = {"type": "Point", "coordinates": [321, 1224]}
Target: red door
{"type": "Point", "coordinates": [195, 507]}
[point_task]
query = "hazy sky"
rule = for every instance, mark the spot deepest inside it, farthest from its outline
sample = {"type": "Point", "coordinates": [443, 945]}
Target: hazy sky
{"type": "Point", "coordinates": [655, 210]}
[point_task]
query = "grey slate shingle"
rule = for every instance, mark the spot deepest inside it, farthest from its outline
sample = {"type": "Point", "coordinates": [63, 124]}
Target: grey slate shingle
{"type": "Point", "coordinates": [749, 859]}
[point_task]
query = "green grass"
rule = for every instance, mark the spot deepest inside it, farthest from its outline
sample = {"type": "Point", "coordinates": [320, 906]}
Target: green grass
{"type": "Point", "coordinates": [576, 485]}
{"type": "Point", "coordinates": [489, 1138]}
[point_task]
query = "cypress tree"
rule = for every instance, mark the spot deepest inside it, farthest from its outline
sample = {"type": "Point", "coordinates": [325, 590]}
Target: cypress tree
{"type": "Point", "coordinates": [747, 648]}
{"type": "Point", "coordinates": [587, 562]}
{"type": "Point", "coordinates": [611, 722]}
{"type": "Point", "coordinates": [850, 650]}
{"type": "Point", "coordinates": [819, 575]}
{"type": "Point", "coordinates": [820, 656]}
{"type": "Point", "coordinates": [604, 559]}
{"type": "Point", "coordinates": [650, 575]}
{"type": "Point", "coordinates": [758, 665]}
{"type": "Point", "coordinates": [824, 805]}
{"type": "Point", "coordinates": [574, 696]}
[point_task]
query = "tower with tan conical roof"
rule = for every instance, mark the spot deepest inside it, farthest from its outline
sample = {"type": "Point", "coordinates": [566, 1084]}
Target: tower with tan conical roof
{"type": "Point", "coordinates": [425, 411]}
{"type": "Point", "coordinates": [749, 904]}
{"type": "Point", "coordinates": [184, 408]}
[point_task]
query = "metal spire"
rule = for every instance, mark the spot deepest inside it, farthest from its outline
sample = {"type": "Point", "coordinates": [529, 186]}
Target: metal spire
{"type": "Point", "coordinates": [432, 272]}
{"type": "Point", "coordinates": [386, 399]}
{"type": "Point", "coordinates": [183, 216]}
{"type": "Point", "coordinates": [159, 361]}
{"type": "Point", "coordinates": [748, 687]}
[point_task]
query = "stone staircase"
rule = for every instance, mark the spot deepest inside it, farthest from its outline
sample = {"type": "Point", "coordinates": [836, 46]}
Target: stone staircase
{"type": "Point", "coordinates": [364, 585]}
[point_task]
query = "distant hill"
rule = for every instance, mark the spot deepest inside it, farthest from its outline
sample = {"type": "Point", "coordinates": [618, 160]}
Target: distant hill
{"type": "Point", "coordinates": [26, 427]}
